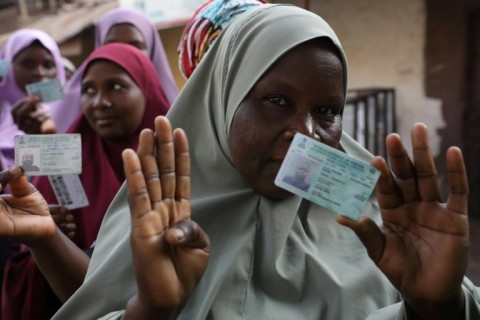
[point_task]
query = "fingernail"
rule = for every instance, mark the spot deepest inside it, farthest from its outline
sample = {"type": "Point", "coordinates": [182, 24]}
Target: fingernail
{"type": "Point", "coordinates": [8, 174]}
{"type": "Point", "coordinates": [179, 233]}
{"type": "Point", "coordinates": [16, 170]}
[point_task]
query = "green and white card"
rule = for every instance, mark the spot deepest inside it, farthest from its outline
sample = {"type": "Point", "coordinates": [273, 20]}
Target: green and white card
{"type": "Point", "coordinates": [49, 154]}
{"type": "Point", "coordinates": [327, 176]}
{"type": "Point", "coordinates": [46, 91]}
{"type": "Point", "coordinates": [4, 67]}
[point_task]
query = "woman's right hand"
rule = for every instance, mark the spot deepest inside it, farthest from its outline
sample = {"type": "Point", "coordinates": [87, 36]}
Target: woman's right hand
{"type": "Point", "coordinates": [24, 214]}
{"type": "Point", "coordinates": [31, 118]}
{"type": "Point", "coordinates": [170, 251]}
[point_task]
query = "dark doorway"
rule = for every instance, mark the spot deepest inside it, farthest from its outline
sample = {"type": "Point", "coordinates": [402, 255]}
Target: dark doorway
{"type": "Point", "coordinates": [471, 128]}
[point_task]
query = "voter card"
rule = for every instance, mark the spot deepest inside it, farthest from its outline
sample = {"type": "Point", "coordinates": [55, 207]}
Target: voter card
{"type": "Point", "coordinates": [49, 154]}
{"type": "Point", "coordinates": [69, 191]}
{"type": "Point", "coordinates": [46, 91]}
{"type": "Point", "coordinates": [4, 66]}
{"type": "Point", "coordinates": [327, 176]}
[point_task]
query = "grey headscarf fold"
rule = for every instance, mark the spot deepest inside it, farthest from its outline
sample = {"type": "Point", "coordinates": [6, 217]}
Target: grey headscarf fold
{"type": "Point", "coordinates": [270, 259]}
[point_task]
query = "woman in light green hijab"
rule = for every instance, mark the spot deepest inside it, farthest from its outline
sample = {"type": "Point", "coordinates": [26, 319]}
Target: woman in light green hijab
{"type": "Point", "coordinates": [275, 71]}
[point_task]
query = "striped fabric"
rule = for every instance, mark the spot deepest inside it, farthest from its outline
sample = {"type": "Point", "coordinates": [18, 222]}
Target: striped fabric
{"type": "Point", "coordinates": [205, 26]}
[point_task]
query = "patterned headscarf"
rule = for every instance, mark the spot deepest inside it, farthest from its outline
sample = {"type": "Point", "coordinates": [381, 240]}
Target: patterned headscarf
{"type": "Point", "coordinates": [205, 26]}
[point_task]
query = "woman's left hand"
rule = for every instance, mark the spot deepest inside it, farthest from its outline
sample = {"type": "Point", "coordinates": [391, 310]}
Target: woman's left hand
{"type": "Point", "coordinates": [423, 244]}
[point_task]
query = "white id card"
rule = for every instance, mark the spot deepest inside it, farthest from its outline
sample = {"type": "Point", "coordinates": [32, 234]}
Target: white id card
{"type": "Point", "coordinates": [49, 154]}
{"type": "Point", "coordinates": [46, 91]}
{"type": "Point", "coordinates": [69, 191]}
{"type": "Point", "coordinates": [327, 176]}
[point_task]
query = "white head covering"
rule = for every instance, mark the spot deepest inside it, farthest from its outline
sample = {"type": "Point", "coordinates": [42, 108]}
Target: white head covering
{"type": "Point", "coordinates": [270, 259]}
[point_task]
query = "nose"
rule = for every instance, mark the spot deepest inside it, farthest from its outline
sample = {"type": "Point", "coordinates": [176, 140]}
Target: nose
{"type": "Point", "coordinates": [101, 101]}
{"type": "Point", "coordinates": [301, 123]}
{"type": "Point", "coordinates": [40, 72]}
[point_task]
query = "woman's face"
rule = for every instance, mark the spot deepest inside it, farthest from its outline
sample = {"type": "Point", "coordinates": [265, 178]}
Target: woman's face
{"type": "Point", "coordinates": [33, 64]}
{"type": "Point", "coordinates": [126, 33]}
{"type": "Point", "coordinates": [111, 100]}
{"type": "Point", "coordinates": [302, 92]}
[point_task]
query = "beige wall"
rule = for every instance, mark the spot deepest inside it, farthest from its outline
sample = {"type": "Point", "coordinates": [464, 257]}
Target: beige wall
{"type": "Point", "coordinates": [170, 38]}
{"type": "Point", "coordinates": [384, 42]}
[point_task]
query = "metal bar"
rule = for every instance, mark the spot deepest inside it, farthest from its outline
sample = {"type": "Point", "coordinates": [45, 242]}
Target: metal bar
{"type": "Point", "coordinates": [306, 4]}
{"type": "Point", "coordinates": [394, 112]}
{"type": "Point", "coordinates": [355, 119]}
{"type": "Point", "coordinates": [23, 9]}
{"type": "Point", "coordinates": [366, 124]}
{"type": "Point", "coordinates": [386, 121]}
{"type": "Point", "coordinates": [377, 122]}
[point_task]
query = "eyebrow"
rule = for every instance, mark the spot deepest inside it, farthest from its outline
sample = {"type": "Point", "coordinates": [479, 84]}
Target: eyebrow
{"type": "Point", "coordinates": [282, 86]}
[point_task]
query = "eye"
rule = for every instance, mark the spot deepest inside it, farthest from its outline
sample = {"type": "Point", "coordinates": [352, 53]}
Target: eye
{"type": "Point", "coordinates": [28, 64]}
{"type": "Point", "coordinates": [277, 100]}
{"type": "Point", "coordinates": [117, 86]}
{"type": "Point", "coordinates": [87, 90]}
{"type": "Point", "coordinates": [325, 111]}
{"type": "Point", "coordinates": [49, 65]}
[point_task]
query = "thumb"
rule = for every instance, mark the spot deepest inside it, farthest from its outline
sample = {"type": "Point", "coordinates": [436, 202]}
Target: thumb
{"type": "Point", "coordinates": [188, 233]}
{"type": "Point", "coordinates": [369, 234]}
{"type": "Point", "coordinates": [48, 127]}
{"type": "Point", "coordinates": [9, 175]}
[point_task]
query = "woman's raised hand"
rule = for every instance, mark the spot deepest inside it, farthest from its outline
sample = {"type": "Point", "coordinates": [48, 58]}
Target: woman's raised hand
{"type": "Point", "coordinates": [24, 214]}
{"type": "Point", "coordinates": [423, 244]}
{"type": "Point", "coordinates": [170, 251]}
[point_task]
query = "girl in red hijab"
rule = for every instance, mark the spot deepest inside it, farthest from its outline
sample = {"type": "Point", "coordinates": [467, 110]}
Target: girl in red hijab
{"type": "Point", "coordinates": [120, 97]}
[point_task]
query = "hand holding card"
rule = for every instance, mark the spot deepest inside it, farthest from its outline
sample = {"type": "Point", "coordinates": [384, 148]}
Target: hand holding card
{"type": "Point", "coordinates": [327, 176]}
{"type": "Point", "coordinates": [49, 154]}
{"type": "Point", "coordinates": [30, 117]}
{"type": "Point", "coordinates": [46, 91]}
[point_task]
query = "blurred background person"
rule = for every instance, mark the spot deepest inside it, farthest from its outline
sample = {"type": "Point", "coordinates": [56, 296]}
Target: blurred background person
{"type": "Point", "coordinates": [34, 57]}
{"type": "Point", "coordinates": [69, 68]}
{"type": "Point", "coordinates": [125, 25]}
{"type": "Point", "coordinates": [120, 97]}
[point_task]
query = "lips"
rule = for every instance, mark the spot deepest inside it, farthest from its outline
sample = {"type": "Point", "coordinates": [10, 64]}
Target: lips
{"type": "Point", "coordinates": [105, 121]}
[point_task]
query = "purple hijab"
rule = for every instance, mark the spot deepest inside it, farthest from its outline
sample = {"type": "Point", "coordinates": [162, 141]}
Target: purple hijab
{"type": "Point", "coordinates": [70, 106]}
{"type": "Point", "coordinates": [11, 93]}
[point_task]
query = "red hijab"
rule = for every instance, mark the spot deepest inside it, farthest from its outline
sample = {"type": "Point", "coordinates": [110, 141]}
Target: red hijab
{"type": "Point", "coordinates": [102, 175]}
{"type": "Point", "coordinates": [102, 172]}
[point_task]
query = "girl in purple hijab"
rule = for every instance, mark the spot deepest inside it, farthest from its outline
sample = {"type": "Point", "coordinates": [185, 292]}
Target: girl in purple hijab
{"type": "Point", "coordinates": [116, 26]}
{"type": "Point", "coordinates": [34, 56]}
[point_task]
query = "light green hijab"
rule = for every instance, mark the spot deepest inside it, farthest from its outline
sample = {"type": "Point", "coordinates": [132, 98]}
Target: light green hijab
{"type": "Point", "coordinates": [270, 259]}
